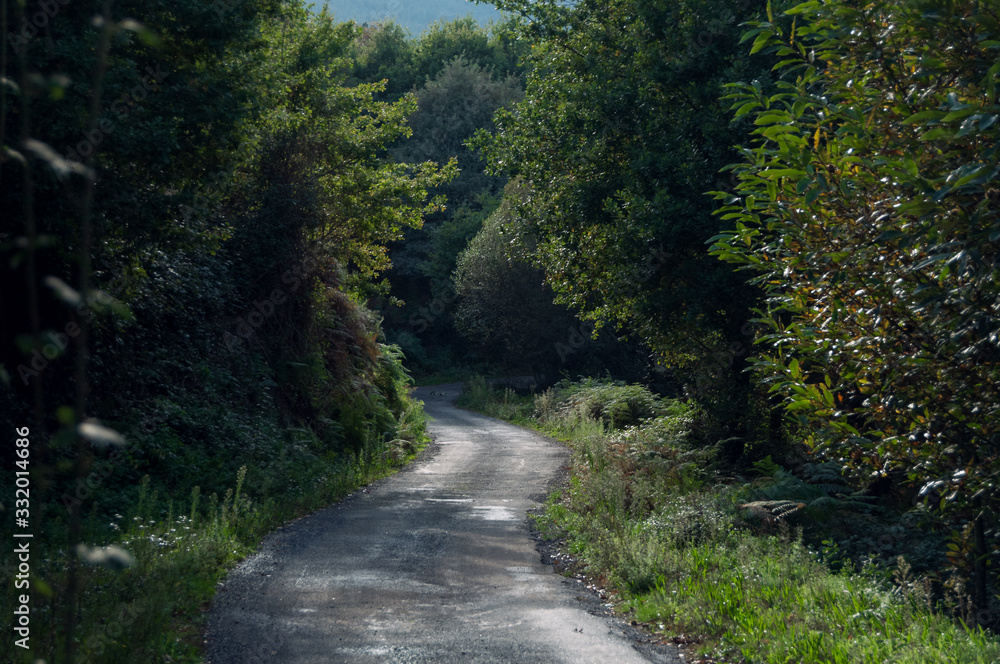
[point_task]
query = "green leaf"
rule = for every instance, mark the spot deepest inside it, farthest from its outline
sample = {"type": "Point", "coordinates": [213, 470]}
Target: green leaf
{"type": "Point", "coordinates": [976, 175]}
{"type": "Point", "coordinates": [935, 134]}
{"type": "Point", "coordinates": [42, 587]}
{"type": "Point", "coordinates": [773, 117]}
{"type": "Point", "coordinates": [763, 39]}
{"type": "Point", "coordinates": [746, 108]}
{"type": "Point", "coordinates": [783, 173]}
{"type": "Point", "coordinates": [889, 236]}
{"type": "Point", "coordinates": [65, 415]}
{"type": "Point", "coordinates": [958, 115]}
{"type": "Point", "coordinates": [924, 115]}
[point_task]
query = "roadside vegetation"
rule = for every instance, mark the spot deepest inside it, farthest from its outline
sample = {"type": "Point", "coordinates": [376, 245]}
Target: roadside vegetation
{"type": "Point", "coordinates": [775, 222]}
{"type": "Point", "coordinates": [145, 591]}
{"type": "Point", "coordinates": [749, 564]}
{"type": "Point", "coordinates": [190, 355]}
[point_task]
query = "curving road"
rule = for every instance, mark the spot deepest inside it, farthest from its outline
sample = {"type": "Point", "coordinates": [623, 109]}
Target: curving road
{"type": "Point", "coordinates": [432, 565]}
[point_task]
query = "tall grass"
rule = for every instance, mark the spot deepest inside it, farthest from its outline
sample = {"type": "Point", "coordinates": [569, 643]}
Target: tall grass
{"type": "Point", "coordinates": [149, 604]}
{"type": "Point", "coordinates": [644, 515]}
{"type": "Point", "coordinates": [502, 403]}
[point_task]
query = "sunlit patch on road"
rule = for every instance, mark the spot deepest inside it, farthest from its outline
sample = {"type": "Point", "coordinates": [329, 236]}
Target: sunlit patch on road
{"type": "Point", "coordinates": [494, 513]}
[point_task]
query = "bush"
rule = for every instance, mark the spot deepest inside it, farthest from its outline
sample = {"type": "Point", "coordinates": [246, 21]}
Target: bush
{"type": "Point", "coordinates": [614, 404]}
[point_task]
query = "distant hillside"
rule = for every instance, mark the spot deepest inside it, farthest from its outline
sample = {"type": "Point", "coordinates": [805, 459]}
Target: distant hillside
{"type": "Point", "coordinates": [414, 14]}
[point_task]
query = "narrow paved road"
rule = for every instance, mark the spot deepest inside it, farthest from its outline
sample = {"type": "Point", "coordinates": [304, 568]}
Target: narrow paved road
{"type": "Point", "coordinates": [433, 565]}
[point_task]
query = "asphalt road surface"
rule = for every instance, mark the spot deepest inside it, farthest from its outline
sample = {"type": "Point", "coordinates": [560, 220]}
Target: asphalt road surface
{"type": "Point", "coordinates": [433, 565]}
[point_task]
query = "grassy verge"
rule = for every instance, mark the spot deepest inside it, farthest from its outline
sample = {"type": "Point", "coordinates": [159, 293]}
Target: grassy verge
{"type": "Point", "coordinates": [705, 561]}
{"type": "Point", "coordinates": [146, 591]}
{"type": "Point", "coordinates": [501, 403]}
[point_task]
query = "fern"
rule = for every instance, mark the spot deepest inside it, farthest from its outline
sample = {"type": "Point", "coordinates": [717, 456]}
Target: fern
{"type": "Point", "coordinates": [823, 489]}
{"type": "Point", "coordinates": [773, 510]}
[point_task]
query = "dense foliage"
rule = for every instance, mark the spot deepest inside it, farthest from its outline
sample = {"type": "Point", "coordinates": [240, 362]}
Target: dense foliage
{"type": "Point", "coordinates": [223, 225]}
{"type": "Point", "coordinates": [619, 134]}
{"type": "Point", "coordinates": [867, 206]}
{"type": "Point", "coordinates": [460, 73]}
{"type": "Point", "coordinates": [506, 311]}
{"type": "Point", "coordinates": [187, 255]}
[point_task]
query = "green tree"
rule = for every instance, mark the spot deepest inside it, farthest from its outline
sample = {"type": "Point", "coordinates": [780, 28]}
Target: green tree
{"type": "Point", "coordinates": [490, 47]}
{"type": "Point", "coordinates": [385, 51]}
{"type": "Point", "coordinates": [620, 133]}
{"type": "Point", "coordinates": [452, 106]}
{"type": "Point", "coordinates": [867, 208]}
{"type": "Point", "coordinates": [504, 306]}
{"type": "Point", "coordinates": [506, 311]}
{"type": "Point", "coordinates": [239, 221]}
{"type": "Point", "coordinates": [461, 99]}
{"type": "Point", "coordinates": [322, 193]}
{"type": "Point", "coordinates": [103, 121]}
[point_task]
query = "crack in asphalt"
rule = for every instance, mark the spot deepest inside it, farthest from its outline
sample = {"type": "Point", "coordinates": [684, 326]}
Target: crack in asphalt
{"type": "Point", "coordinates": [435, 564]}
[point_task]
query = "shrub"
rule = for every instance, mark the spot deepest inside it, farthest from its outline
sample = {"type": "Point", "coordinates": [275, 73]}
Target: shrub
{"type": "Point", "coordinates": [612, 403]}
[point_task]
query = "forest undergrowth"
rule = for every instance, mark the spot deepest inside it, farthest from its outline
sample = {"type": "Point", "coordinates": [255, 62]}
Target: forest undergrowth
{"type": "Point", "coordinates": [147, 584]}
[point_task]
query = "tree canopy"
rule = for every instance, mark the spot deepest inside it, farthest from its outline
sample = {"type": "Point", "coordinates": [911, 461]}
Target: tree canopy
{"type": "Point", "coordinates": [618, 136]}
